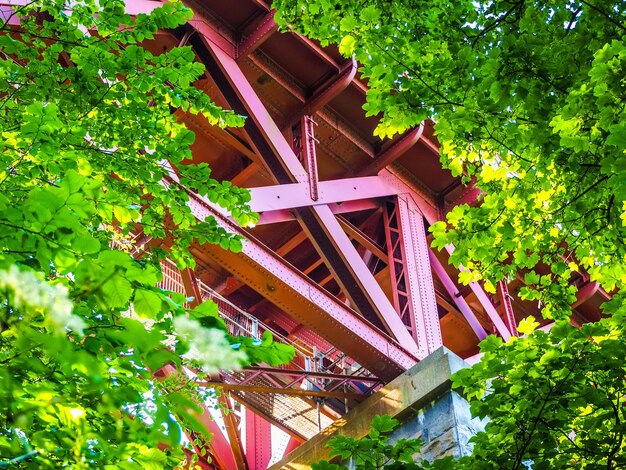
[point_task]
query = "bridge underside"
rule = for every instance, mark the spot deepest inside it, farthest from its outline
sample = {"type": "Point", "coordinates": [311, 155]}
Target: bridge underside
{"type": "Point", "coordinates": [339, 264]}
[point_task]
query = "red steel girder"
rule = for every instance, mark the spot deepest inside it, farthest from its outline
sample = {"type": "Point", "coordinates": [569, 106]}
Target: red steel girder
{"type": "Point", "coordinates": [411, 276]}
{"type": "Point", "coordinates": [261, 31]}
{"type": "Point", "coordinates": [284, 215]}
{"type": "Point", "coordinates": [233, 433]}
{"type": "Point", "coordinates": [258, 441]}
{"type": "Point", "coordinates": [585, 293]}
{"type": "Point", "coordinates": [395, 151]}
{"type": "Point", "coordinates": [279, 390]}
{"type": "Point", "coordinates": [296, 195]}
{"type": "Point", "coordinates": [509, 314]}
{"type": "Point", "coordinates": [326, 234]}
{"type": "Point", "coordinates": [456, 296]}
{"type": "Point", "coordinates": [292, 445]}
{"type": "Point", "coordinates": [219, 446]}
{"type": "Point", "coordinates": [308, 154]}
{"type": "Point", "coordinates": [486, 303]}
{"type": "Point", "coordinates": [325, 93]}
{"type": "Point", "coordinates": [304, 300]}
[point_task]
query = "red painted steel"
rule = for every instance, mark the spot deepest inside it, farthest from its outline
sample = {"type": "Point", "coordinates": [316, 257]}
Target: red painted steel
{"type": "Point", "coordinates": [395, 151]}
{"type": "Point", "coordinates": [585, 293]}
{"type": "Point", "coordinates": [219, 446]}
{"type": "Point", "coordinates": [258, 441]}
{"type": "Point", "coordinates": [456, 296]}
{"type": "Point", "coordinates": [285, 215]}
{"type": "Point", "coordinates": [424, 201]}
{"type": "Point", "coordinates": [367, 285]}
{"type": "Point", "coordinates": [509, 314]}
{"type": "Point", "coordinates": [412, 283]}
{"type": "Point", "coordinates": [233, 433]}
{"type": "Point", "coordinates": [308, 154]}
{"type": "Point", "coordinates": [297, 376]}
{"type": "Point", "coordinates": [292, 445]}
{"type": "Point", "coordinates": [491, 311]}
{"type": "Point", "coordinates": [191, 287]}
{"type": "Point", "coordinates": [486, 303]}
{"type": "Point", "coordinates": [242, 323]}
{"type": "Point", "coordinates": [217, 34]}
{"type": "Point", "coordinates": [325, 93]}
{"type": "Point", "coordinates": [261, 31]}
{"type": "Point", "coordinates": [132, 7]}
{"type": "Point", "coordinates": [296, 195]}
{"type": "Point", "coordinates": [297, 295]}
{"type": "Point", "coordinates": [468, 195]}
{"type": "Point", "coordinates": [326, 234]}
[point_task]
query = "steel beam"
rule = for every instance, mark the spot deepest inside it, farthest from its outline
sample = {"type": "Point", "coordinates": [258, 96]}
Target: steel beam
{"type": "Point", "coordinates": [233, 433]}
{"type": "Point", "coordinates": [281, 391]}
{"type": "Point", "coordinates": [302, 374]}
{"type": "Point", "coordinates": [395, 151]}
{"type": "Point", "coordinates": [331, 242]}
{"type": "Point", "coordinates": [217, 34]}
{"type": "Point", "coordinates": [411, 277]}
{"type": "Point", "coordinates": [486, 303]}
{"type": "Point", "coordinates": [286, 215]}
{"type": "Point", "coordinates": [456, 296]}
{"type": "Point", "coordinates": [258, 441]}
{"type": "Point", "coordinates": [491, 311]}
{"type": "Point", "coordinates": [308, 154]}
{"type": "Point", "coordinates": [325, 93]}
{"type": "Point", "coordinates": [303, 299]}
{"type": "Point", "coordinates": [317, 50]}
{"type": "Point", "coordinates": [220, 448]}
{"type": "Point", "coordinates": [131, 7]}
{"type": "Point", "coordinates": [363, 239]}
{"type": "Point", "coordinates": [505, 301]}
{"type": "Point", "coordinates": [245, 174]}
{"type": "Point", "coordinates": [261, 31]}
{"type": "Point", "coordinates": [191, 287]}
{"type": "Point", "coordinates": [585, 293]}
{"type": "Point", "coordinates": [292, 445]}
{"type": "Point", "coordinates": [296, 195]}
{"type": "Point", "coordinates": [468, 195]}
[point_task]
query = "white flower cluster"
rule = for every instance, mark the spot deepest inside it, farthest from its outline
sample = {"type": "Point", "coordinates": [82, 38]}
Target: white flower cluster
{"type": "Point", "coordinates": [208, 346]}
{"type": "Point", "coordinates": [31, 291]}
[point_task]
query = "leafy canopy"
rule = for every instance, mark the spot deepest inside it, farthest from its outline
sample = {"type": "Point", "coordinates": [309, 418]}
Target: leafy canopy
{"type": "Point", "coordinates": [528, 98]}
{"type": "Point", "coordinates": [88, 122]}
{"type": "Point", "coordinates": [374, 451]}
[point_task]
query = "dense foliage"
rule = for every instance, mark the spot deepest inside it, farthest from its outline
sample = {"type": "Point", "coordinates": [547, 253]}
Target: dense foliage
{"type": "Point", "coordinates": [374, 451]}
{"type": "Point", "coordinates": [88, 123]}
{"type": "Point", "coordinates": [555, 399]}
{"type": "Point", "coordinates": [528, 97]}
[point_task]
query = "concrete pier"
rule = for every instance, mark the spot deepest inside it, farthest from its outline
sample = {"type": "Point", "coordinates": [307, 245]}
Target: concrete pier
{"type": "Point", "coordinates": [422, 400]}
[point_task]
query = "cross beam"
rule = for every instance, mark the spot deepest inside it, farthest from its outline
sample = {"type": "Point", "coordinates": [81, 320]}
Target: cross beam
{"type": "Point", "coordinates": [296, 195]}
{"type": "Point", "coordinates": [326, 234]}
{"type": "Point", "coordinates": [261, 31]}
{"type": "Point", "coordinates": [280, 390]}
{"type": "Point", "coordinates": [303, 299]}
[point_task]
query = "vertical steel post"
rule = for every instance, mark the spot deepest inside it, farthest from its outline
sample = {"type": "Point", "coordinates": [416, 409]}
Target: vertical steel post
{"type": "Point", "coordinates": [258, 441]}
{"type": "Point", "coordinates": [310, 159]}
{"type": "Point", "coordinates": [411, 277]}
{"type": "Point", "coordinates": [505, 300]}
{"type": "Point", "coordinates": [231, 430]}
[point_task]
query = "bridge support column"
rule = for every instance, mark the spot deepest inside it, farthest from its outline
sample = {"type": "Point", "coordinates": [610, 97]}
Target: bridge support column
{"type": "Point", "coordinates": [422, 400]}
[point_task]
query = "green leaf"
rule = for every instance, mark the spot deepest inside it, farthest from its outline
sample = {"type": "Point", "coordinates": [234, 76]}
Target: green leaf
{"type": "Point", "coordinates": [527, 325]}
{"type": "Point", "coordinates": [147, 303]}
{"type": "Point", "coordinates": [117, 291]}
{"type": "Point", "coordinates": [347, 45]}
